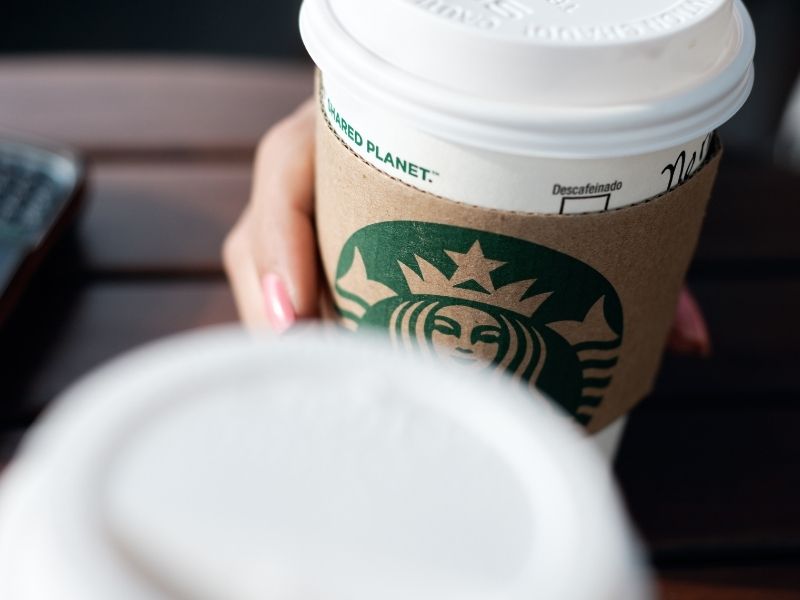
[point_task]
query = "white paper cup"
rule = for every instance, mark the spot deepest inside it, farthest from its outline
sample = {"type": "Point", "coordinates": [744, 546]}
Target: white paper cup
{"type": "Point", "coordinates": [545, 107]}
{"type": "Point", "coordinates": [521, 111]}
{"type": "Point", "coordinates": [219, 466]}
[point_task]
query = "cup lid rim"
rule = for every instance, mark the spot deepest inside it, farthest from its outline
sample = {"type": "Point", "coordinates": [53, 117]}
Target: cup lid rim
{"type": "Point", "coordinates": [532, 128]}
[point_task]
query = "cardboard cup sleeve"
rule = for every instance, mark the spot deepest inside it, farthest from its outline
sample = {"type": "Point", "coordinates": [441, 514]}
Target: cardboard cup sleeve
{"type": "Point", "coordinates": [578, 306]}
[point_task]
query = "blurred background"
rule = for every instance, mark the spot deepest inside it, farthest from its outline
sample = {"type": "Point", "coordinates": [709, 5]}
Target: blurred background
{"type": "Point", "coordinates": [263, 29]}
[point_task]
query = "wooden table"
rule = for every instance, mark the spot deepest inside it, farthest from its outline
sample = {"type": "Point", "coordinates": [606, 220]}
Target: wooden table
{"type": "Point", "coordinates": [710, 465]}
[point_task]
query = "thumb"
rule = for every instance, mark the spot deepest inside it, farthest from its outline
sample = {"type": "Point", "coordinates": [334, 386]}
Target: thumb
{"type": "Point", "coordinates": [282, 202]}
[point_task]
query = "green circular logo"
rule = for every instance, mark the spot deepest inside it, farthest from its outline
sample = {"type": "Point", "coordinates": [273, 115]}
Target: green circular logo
{"type": "Point", "coordinates": [486, 301]}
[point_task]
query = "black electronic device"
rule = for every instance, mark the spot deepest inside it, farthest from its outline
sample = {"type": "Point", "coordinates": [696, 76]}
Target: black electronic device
{"type": "Point", "coordinates": [40, 191]}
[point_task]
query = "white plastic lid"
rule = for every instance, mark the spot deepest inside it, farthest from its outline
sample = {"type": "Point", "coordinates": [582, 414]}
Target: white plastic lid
{"type": "Point", "coordinates": [217, 466]}
{"type": "Point", "coordinates": [552, 77]}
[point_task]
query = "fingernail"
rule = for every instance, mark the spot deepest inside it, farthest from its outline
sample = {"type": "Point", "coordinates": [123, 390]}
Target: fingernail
{"type": "Point", "coordinates": [691, 327]}
{"type": "Point", "coordinates": [280, 313]}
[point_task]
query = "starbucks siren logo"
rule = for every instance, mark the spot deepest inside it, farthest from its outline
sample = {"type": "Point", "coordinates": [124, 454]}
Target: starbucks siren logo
{"type": "Point", "coordinates": [486, 301]}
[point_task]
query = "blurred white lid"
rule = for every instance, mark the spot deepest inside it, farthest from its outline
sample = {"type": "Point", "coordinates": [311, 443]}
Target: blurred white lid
{"type": "Point", "coordinates": [315, 467]}
{"type": "Point", "coordinates": [555, 77]}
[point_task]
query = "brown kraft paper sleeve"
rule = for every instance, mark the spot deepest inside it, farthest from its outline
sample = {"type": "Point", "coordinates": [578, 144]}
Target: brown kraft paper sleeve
{"type": "Point", "coordinates": [578, 306]}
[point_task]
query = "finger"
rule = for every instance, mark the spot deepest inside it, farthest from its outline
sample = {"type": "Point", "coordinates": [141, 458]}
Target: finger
{"type": "Point", "coordinates": [244, 279]}
{"type": "Point", "coordinates": [249, 297]}
{"type": "Point", "coordinates": [689, 333]}
{"type": "Point", "coordinates": [284, 232]}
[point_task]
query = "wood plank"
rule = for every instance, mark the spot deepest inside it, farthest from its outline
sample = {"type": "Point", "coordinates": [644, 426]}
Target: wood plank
{"type": "Point", "coordinates": [128, 105]}
{"type": "Point", "coordinates": [745, 582]}
{"type": "Point", "coordinates": [70, 329]}
{"type": "Point", "coordinates": [753, 215]}
{"type": "Point", "coordinates": [161, 217]}
{"type": "Point", "coordinates": [714, 482]}
{"type": "Point", "coordinates": [755, 330]}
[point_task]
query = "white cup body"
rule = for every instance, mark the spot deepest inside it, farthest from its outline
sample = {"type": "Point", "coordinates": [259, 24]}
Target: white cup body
{"type": "Point", "coordinates": [555, 107]}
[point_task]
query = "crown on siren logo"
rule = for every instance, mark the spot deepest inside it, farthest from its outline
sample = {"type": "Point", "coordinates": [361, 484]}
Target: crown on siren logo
{"type": "Point", "coordinates": [473, 266]}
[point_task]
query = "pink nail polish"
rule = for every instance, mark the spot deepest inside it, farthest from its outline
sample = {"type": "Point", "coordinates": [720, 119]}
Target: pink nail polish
{"type": "Point", "coordinates": [280, 312]}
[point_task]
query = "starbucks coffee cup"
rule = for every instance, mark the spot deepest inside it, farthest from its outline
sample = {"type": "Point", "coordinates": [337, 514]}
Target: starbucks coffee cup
{"type": "Point", "coordinates": [522, 183]}
{"type": "Point", "coordinates": [211, 466]}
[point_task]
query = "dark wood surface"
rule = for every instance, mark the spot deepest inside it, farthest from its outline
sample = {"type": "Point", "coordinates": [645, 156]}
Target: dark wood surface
{"type": "Point", "coordinates": [710, 464]}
